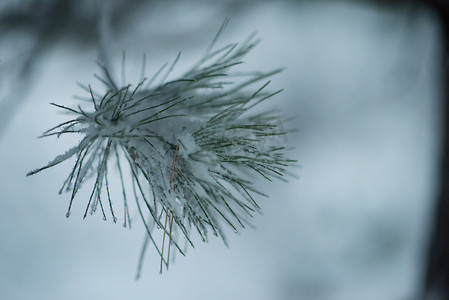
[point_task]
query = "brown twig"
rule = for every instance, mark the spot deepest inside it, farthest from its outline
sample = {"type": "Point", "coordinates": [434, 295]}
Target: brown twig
{"type": "Point", "coordinates": [167, 211]}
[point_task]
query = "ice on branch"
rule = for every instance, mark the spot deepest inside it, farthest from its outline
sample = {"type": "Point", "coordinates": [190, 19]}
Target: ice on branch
{"type": "Point", "coordinates": [190, 147]}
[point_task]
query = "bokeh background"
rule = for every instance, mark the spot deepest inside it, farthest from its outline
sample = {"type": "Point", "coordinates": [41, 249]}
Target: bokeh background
{"type": "Point", "coordinates": [365, 82]}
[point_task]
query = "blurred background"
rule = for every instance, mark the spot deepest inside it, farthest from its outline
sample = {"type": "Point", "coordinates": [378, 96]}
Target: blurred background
{"type": "Point", "coordinates": [367, 218]}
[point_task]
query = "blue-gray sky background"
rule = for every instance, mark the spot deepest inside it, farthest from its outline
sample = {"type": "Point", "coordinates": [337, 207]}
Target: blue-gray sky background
{"type": "Point", "coordinates": [364, 83]}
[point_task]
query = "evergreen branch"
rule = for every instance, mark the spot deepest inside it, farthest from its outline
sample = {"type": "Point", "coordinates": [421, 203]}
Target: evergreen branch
{"type": "Point", "coordinates": [191, 145]}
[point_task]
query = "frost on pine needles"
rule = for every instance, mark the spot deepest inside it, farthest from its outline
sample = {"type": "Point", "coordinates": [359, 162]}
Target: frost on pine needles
{"type": "Point", "coordinates": [189, 148]}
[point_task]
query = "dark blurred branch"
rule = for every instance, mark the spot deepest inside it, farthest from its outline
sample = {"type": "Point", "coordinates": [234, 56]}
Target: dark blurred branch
{"type": "Point", "coordinates": [437, 273]}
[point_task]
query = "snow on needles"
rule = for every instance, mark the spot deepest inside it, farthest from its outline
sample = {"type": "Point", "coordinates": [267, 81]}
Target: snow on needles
{"type": "Point", "coordinates": [187, 145]}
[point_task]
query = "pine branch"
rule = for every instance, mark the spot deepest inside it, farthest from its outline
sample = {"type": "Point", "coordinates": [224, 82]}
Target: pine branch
{"type": "Point", "coordinates": [191, 146]}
